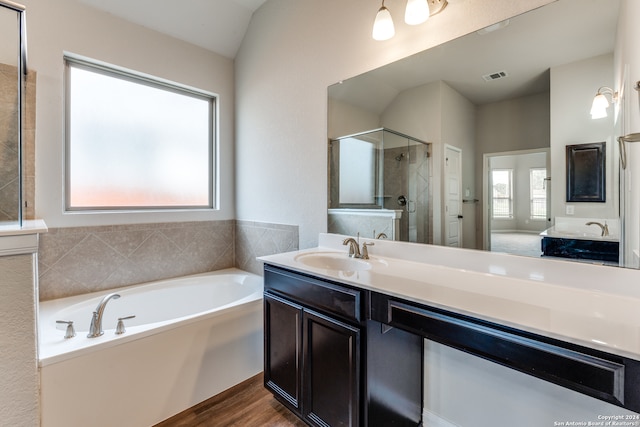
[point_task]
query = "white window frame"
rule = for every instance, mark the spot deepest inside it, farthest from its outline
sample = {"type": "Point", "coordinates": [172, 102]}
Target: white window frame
{"type": "Point", "coordinates": [534, 199]}
{"type": "Point", "coordinates": [509, 198]}
{"type": "Point", "coordinates": [71, 60]}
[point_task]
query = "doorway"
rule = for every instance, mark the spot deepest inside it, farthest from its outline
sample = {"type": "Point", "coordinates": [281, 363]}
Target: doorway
{"type": "Point", "coordinates": [516, 201]}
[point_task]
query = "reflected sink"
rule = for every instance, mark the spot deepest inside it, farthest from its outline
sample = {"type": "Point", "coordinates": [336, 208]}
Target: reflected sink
{"type": "Point", "coordinates": [333, 261]}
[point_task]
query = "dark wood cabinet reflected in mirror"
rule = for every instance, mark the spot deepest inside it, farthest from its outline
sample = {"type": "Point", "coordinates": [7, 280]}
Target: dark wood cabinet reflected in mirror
{"type": "Point", "coordinates": [586, 166]}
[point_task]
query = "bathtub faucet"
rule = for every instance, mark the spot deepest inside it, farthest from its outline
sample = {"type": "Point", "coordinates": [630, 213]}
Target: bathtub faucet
{"type": "Point", "coordinates": [95, 330]}
{"type": "Point", "coordinates": [604, 228]}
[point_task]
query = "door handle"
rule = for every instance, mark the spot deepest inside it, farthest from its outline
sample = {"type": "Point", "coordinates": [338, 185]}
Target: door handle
{"type": "Point", "coordinates": [460, 217]}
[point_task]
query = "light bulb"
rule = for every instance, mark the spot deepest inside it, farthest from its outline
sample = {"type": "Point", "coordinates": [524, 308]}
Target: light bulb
{"type": "Point", "coordinates": [383, 26]}
{"type": "Point", "coordinates": [599, 106]}
{"type": "Point", "coordinates": [417, 12]}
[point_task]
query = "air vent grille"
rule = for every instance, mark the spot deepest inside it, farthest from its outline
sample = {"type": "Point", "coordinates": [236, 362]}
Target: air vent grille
{"type": "Point", "coordinates": [495, 76]}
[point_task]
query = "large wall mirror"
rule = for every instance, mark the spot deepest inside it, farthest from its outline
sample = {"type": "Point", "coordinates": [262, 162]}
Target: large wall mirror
{"type": "Point", "coordinates": [491, 114]}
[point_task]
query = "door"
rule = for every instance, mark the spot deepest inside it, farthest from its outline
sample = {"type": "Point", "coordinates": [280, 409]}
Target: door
{"type": "Point", "coordinates": [453, 196]}
{"type": "Point", "coordinates": [283, 350]}
{"type": "Point", "coordinates": [331, 371]}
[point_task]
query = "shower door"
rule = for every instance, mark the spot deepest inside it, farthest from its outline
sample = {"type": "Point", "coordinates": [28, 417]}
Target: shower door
{"type": "Point", "coordinates": [406, 185]}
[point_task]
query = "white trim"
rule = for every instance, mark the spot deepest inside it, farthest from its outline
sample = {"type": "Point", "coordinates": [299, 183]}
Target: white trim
{"type": "Point", "coordinates": [429, 419]}
{"type": "Point", "coordinates": [15, 240]}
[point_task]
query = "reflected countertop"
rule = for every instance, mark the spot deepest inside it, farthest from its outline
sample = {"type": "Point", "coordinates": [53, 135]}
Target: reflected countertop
{"type": "Point", "coordinates": [594, 306]}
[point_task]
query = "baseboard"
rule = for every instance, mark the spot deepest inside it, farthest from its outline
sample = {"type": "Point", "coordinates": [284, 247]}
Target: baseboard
{"type": "Point", "coordinates": [429, 419]}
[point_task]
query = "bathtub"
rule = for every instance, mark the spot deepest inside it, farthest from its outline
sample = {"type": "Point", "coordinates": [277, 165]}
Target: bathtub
{"type": "Point", "coordinates": [192, 338]}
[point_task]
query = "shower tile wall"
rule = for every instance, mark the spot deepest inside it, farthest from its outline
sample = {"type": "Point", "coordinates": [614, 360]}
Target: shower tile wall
{"type": "Point", "coordinates": [367, 226]}
{"type": "Point", "coordinates": [406, 173]}
{"type": "Point", "coordinates": [79, 260]}
{"type": "Point", "coordinates": [395, 185]}
{"type": "Point", "coordinates": [29, 148]}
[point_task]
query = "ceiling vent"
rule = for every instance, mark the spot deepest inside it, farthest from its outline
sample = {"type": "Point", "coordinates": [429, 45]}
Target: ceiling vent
{"type": "Point", "coordinates": [495, 76]}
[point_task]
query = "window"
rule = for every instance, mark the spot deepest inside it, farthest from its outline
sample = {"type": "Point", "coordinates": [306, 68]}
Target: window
{"type": "Point", "coordinates": [538, 192]}
{"type": "Point", "coordinates": [502, 181]}
{"type": "Point", "coordinates": [135, 142]}
{"type": "Point", "coordinates": [357, 172]}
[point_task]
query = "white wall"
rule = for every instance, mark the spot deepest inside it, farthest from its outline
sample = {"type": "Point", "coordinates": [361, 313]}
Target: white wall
{"type": "Point", "coordinates": [459, 129]}
{"type": "Point", "coordinates": [19, 373]}
{"type": "Point", "coordinates": [65, 25]}
{"type": "Point", "coordinates": [345, 119]}
{"type": "Point", "coordinates": [573, 87]}
{"type": "Point", "coordinates": [292, 52]}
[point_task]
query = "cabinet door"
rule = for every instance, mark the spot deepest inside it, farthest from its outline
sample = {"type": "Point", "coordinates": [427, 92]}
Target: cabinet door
{"type": "Point", "coordinates": [283, 350]}
{"type": "Point", "coordinates": [331, 371]}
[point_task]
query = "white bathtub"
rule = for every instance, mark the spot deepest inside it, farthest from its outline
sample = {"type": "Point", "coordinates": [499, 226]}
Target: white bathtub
{"type": "Point", "coordinates": [192, 338]}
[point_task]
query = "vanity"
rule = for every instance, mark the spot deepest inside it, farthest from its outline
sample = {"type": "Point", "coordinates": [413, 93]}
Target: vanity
{"type": "Point", "coordinates": [578, 239]}
{"type": "Point", "coordinates": [344, 337]}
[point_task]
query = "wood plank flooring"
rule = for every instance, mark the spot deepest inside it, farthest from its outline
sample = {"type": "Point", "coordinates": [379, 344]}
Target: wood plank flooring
{"type": "Point", "coordinates": [247, 404]}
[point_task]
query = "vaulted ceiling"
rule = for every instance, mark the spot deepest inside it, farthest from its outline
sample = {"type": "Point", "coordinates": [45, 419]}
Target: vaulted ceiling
{"type": "Point", "coordinates": [216, 25]}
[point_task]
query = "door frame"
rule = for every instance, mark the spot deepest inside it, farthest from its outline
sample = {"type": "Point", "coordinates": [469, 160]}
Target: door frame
{"type": "Point", "coordinates": [486, 188]}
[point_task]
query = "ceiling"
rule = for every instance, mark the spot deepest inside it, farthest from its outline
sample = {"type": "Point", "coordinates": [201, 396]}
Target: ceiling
{"type": "Point", "coordinates": [560, 33]}
{"type": "Point", "coordinates": [216, 25]}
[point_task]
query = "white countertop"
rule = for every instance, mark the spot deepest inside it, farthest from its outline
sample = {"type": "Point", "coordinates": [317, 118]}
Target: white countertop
{"type": "Point", "coordinates": [33, 226]}
{"type": "Point", "coordinates": [594, 306]}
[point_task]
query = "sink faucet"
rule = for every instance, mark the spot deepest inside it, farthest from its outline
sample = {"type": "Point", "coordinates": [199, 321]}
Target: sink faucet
{"type": "Point", "coordinates": [604, 228]}
{"type": "Point", "coordinates": [354, 247]}
{"type": "Point", "coordinates": [95, 330]}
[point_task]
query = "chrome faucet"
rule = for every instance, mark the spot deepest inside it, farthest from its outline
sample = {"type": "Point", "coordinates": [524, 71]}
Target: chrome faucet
{"type": "Point", "coordinates": [95, 330]}
{"type": "Point", "coordinates": [604, 228]}
{"type": "Point", "coordinates": [354, 247]}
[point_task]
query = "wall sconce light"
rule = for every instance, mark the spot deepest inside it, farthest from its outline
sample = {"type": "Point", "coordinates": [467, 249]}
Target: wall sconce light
{"type": "Point", "coordinates": [601, 103]}
{"type": "Point", "coordinates": [416, 12]}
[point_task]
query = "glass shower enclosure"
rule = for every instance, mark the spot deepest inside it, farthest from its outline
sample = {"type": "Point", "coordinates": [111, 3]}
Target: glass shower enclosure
{"type": "Point", "coordinates": [12, 72]}
{"type": "Point", "coordinates": [379, 182]}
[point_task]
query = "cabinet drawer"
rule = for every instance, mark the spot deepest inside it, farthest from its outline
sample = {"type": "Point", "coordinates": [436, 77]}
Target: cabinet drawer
{"type": "Point", "coordinates": [328, 297]}
{"type": "Point", "coordinates": [602, 375]}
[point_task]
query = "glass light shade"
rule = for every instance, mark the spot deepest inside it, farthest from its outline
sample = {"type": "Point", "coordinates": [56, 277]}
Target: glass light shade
{"type": "Point", "coordinates": [383, 26]}
{"type": "Point", "coordinates": [417, 12]}
{"type": "Point", "coordinates": [599, 107]}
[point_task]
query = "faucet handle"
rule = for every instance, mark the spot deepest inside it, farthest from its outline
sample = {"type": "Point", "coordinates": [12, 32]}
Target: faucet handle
{"type": "Point", "coordinates": [120, 327]}
{"type": "Point", "coordinates": [365, 250]}
{"type": "Point", "coordinates": [70, 332]}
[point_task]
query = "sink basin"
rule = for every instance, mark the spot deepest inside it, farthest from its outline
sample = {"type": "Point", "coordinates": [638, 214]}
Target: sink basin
{"type": "Point", "coordinates": [333, 261]}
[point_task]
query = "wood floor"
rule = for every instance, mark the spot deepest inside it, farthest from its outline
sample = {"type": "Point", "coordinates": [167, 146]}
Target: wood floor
{"type": "Point", "coordinates": [247, 404]}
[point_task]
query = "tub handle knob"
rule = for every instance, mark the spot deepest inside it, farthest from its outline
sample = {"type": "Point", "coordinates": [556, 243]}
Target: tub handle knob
{"type": "Point", "coordinates": [120, 327]}
{"type": "Point", "coordinates": [70, 332]}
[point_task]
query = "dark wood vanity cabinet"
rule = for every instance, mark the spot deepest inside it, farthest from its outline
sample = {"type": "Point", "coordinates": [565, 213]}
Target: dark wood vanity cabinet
{"type": "Point", "coordinates": [313, 348]}
{"type": "Point", "coordinates": [316, 360]}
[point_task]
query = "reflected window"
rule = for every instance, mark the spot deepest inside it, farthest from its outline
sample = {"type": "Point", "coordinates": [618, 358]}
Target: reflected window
{"type": "Point", "coordinates": [357, 172]}
{"type": "Point", "coordinates": [135, 142]}
{"type": "Point", "coordinates": [538, 193]}
{"type": "Point", "coordinates": [502, 182]}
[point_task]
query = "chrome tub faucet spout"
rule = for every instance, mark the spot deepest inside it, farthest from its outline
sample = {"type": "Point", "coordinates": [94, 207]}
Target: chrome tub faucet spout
{"type": "Point", "coordinates": [95, 330]}
{"type": "Point", "coordinates": [604, 228]}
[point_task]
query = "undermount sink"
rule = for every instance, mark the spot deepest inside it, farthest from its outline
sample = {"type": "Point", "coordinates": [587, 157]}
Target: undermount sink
{"type": "Point", "coordinates": [333, 261]}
